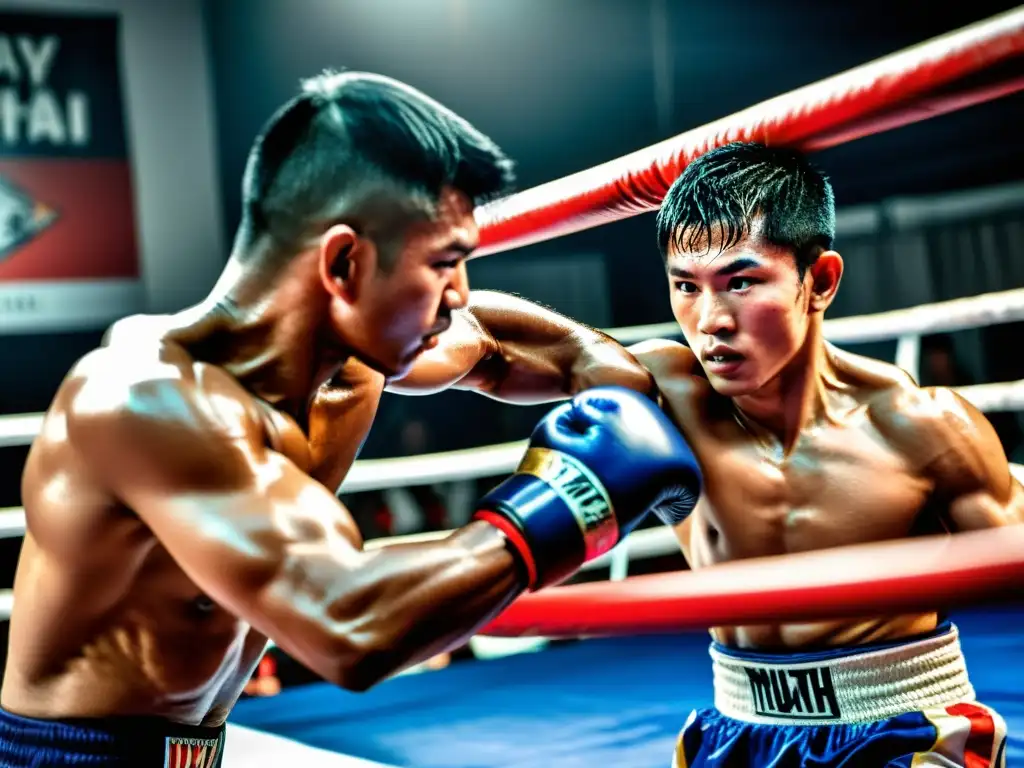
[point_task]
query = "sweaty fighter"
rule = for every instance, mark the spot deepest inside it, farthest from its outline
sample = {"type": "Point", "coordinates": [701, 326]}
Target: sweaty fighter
{"type": "Point", "coordinates": [179, 498]}
{"type": "Point", "coordinates": [804, 446]}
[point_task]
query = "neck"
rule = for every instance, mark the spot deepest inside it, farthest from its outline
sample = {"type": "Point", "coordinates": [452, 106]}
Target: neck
{"type": "Point", "coordinates": [797, 397]}
{"type": "Point", "coordinates": [266, 331]}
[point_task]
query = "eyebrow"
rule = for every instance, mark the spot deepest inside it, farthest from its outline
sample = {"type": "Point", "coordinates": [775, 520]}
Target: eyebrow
{"type": "Point", "coordinates": [457, 246]}
{"type": "Point", "coordinates": [729, 269]}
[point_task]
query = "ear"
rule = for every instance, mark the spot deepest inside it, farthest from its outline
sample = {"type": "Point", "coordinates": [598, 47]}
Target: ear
{"type": "Point", "coordinates": [345, 259]}
{"type": "Point", "coordinates": [825, 274]}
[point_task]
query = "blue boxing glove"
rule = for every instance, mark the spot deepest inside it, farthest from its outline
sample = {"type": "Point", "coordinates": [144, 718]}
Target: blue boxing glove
{"type": "Point", "coordinates": [595, 467]}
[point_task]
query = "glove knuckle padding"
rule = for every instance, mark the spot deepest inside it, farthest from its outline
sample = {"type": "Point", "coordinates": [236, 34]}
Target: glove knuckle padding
{"type": "Point", "coordinates": [594, 468]}
{"type": "Point", "coordinates": [631, 446]}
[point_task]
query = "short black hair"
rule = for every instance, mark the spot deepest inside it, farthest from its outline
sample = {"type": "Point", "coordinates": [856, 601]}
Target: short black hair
{"type": "Point", "coordinates": [728, 187]}
{"type": "Point", "coordinates": [349, 128]}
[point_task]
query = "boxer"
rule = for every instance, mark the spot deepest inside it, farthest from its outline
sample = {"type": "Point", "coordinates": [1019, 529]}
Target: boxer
{"type": "Point", "coordinates": [802, 446]}
{"type": "Point", "coordinates": [176, 512]}
{"type": "Point", "coordinates": [806, 446]}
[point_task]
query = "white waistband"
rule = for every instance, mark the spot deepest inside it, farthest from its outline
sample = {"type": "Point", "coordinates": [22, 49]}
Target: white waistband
{"type": "Point", "coordinates": [870, 685]}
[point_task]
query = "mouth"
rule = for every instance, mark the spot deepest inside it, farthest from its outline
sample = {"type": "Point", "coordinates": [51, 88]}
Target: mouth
{"type": "Point", "coordinates": [722, 360]}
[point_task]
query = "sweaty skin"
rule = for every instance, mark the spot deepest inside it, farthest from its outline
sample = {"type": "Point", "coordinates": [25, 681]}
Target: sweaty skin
{"type": "Point", "coordinates": [804, 446]}
{"type": "Point", "coordinates": [175, 522]}
{"type": "Point", "coordinates": [882, 459]}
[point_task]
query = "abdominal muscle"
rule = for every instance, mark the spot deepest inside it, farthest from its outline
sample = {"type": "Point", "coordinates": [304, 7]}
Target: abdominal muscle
{"type": "Point", "coordinates": [819, 635]}
{"type": "Point", "coordinates": [802, 636]}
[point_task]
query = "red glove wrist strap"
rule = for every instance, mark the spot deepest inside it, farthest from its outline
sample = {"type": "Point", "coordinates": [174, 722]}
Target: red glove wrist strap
{"type": "Point", "coordinates": [515, 538]}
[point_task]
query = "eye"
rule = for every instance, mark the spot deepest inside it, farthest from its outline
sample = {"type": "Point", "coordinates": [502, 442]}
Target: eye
{"type": "Point", "coordinates": [741, 283]}
{"type": "Point", "coordinates": [684, 286]}
{"type": "Point", "coordinates": [447, 264]}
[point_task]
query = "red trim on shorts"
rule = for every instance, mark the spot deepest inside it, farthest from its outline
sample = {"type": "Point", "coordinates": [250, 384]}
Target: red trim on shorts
{"type": "Point", "coordinates": [515, 536]}
{"type": "Point", "coordinates": [982, 736]}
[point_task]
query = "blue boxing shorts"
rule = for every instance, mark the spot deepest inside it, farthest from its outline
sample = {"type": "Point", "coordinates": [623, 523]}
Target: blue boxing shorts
{"type": "Point", "coordinates": [139, 742]}
{"type": "Point", "coordinates": [895, 705]}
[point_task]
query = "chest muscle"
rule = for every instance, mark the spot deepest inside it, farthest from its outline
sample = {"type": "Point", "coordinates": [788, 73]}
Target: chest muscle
{"type": "Point", "coordinates": [841, 485]}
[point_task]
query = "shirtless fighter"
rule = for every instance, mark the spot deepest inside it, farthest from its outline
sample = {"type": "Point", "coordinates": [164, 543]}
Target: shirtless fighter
{"type": "Point", "coordinates": [805, 446]}
{"type": "Point", "coordinates": [176, 509]}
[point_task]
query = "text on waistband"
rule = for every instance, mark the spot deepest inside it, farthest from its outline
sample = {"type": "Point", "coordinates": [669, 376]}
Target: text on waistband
{"type": "Point", "coordinates": [797, 693]}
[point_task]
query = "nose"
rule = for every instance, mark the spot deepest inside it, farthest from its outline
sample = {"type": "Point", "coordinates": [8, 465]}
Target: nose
{"type": "Point", "coordinates": [715, 318]}
{"type": "Point", "coordinates": [456, 295]}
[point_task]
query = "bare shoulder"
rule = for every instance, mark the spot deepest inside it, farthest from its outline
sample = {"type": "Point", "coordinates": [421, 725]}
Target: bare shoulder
{"type": "Point", "coordinates": [135, 330]}
{"type": "Point", "coordinates": [140, 402]}
{"type": "Point", "coordinates": [483, 302]}
{"type": "Point", "coordinates": [884, 389]}
{"type": "Point", "coordinates": [867, 374]}
{"type": "Point", "coordinates": [955, 448]}
{"type": "Point", "coordinates": [117, 378]}
{"type": "Point", "coordinates": [910, 414]}
{"type": "Point", "coordinates": [941, 433]}
{"type": "Point", "coordinates": [925, 424]}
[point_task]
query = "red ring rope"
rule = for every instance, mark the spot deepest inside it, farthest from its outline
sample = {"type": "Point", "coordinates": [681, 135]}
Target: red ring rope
{"type": "Point", "coordinates": [855, 103]}
{"type": "Point", "coordinates": [932, 573]}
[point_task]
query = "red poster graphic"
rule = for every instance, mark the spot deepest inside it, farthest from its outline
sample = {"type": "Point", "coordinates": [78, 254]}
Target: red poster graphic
{"type": "Point", "coordinates": [68, 247]}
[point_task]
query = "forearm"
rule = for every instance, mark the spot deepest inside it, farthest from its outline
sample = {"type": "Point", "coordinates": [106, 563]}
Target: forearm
{"type": "Point", "coordinates": [520, 352]}
{"type": "Point", "coordinates": [405, 603]}
{"type": "Point", "coordinates": [541, 355]}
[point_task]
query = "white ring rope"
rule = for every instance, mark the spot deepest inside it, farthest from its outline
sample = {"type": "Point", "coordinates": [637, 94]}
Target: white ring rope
{"type": "Point", "coordinates": [501, 459]}
{"type": "Point", "coordinates": [940, 317]}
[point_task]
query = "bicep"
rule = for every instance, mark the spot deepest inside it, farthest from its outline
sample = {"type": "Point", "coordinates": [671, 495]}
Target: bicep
{"type": "Point", "coordinates": [986, 508]}
{"type": "Point", "coordinates": [971, 470]}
